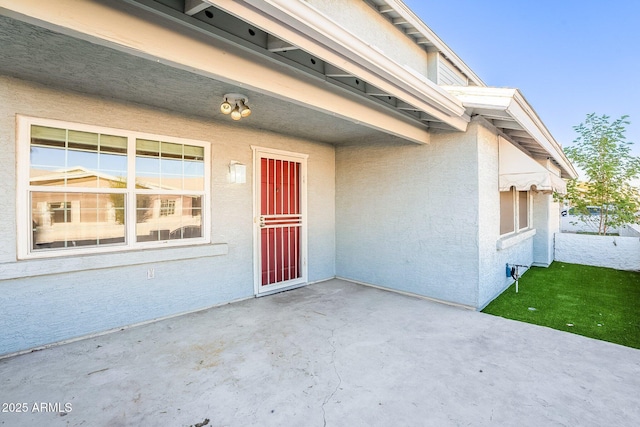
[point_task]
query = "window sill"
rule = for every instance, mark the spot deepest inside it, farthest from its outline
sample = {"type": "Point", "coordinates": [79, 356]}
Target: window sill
{"type": "Point", "coordinates": [44, 266]}
{"type": "Point", "coordinates": [514, 239]}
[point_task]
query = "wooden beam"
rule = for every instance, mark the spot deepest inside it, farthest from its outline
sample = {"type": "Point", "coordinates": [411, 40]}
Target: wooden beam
{"type": "Point", "coordinates": [191, 7]}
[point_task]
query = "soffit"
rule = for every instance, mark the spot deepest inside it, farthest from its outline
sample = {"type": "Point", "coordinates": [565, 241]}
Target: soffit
{"type": "Point", "coordinates": [295, 33]}
{"type": "Point", "coordinates": [56, 60]}
{"type": "Point", "coordinates": [508, 111]}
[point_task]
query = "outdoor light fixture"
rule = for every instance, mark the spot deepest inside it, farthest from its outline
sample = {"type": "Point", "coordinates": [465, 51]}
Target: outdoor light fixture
{"type": "Point", "coordinates": [237, 173]}
{"type": "Point", "coordinates": [236, 105]}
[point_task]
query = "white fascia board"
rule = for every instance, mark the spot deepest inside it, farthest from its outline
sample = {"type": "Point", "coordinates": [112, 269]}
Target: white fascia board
{"type": "Point", "coordinates": [302, 25]}
{"type": "Point", "coordinates": [525, 115]}
{"type": "Point", "coordinates": [409, 16]}
{"type": "Point", "coordinates": [117, 26]}
{"type": "Point", "coordinates": [512, 102]}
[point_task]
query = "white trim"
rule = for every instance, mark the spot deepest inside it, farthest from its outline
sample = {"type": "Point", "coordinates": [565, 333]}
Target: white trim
{"type": "Point", "coordinates": [513, 103]}
{"type": "Point", "coordinates": [24, 187]}
{"type": "Point", "coordinates": [304, 26]}
{"type": "Point", "coordinates": [127, 28]}
{"type": "Point", "coordinates": [98, 261]}
{"type": "Point", "coordinates": [512, 239]}
{"type": "Point", "coordinates": [515, 203]}
{"type": "Point", "coordinates": [405, 12]}
{"type": "Point", "coordinates": [529, 197]}
{"type": "Point", "coordinates": [263, 152]}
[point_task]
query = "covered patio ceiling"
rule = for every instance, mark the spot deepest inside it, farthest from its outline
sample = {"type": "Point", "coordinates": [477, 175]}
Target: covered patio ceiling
{"type": "Point", "coordinates": [57, 60]}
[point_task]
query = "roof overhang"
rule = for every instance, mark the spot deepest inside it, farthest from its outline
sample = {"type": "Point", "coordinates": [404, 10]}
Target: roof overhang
{"type": "Point", "coordinates": [410, 24]}
{"type": "Point", "coordinates": [510, 112]}
{"type": "Point", "coordinates": [305, 27]}
{"type": "Point", "coordinates": [146, 29]}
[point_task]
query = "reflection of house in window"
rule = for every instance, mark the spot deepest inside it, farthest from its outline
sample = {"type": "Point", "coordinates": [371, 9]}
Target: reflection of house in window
{"type": "Point", "coordinates": [61, 212]}
{"type": "Point", "coordinates": [196, 206]}
{"type": "Point", "coordinates": [79, 189]}
{"type": "Point", "coordinates": [167, 207]}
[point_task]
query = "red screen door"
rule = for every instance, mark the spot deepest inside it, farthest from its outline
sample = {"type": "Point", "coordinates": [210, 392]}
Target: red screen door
{"type": "Point", "coordinates": [280, 222]}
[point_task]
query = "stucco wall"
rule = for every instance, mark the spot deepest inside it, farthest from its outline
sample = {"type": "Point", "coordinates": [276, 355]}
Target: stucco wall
{"type": "Point", "coordinates": [494, 252]}
{"type": "Point", "coordinates": [621, 253]}
{"type": "Point", "coordinates": [406, 216]}
{"type": "Point", "coordinates": [39, 307]}
{"type": "Point", "coordinates": [546, 220]}
{"type": "Point", "coordinates": [367, 24]}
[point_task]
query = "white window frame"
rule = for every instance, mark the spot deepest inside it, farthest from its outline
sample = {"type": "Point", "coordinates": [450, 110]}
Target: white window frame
{"type": "Point", "coordinates": [529, 198]}
{"type": "Point", "coordinates": [23, 200]}
{"type": "Point", "coordinates": [515, 200]}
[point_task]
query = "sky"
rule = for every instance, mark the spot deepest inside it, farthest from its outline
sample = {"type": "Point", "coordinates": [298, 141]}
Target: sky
{"type": "Point", "coordinates": [569, 58]}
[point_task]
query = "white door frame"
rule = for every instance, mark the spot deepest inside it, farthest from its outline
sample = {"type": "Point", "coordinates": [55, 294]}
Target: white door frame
{"type": "Point", "coordinates": [259, 153]}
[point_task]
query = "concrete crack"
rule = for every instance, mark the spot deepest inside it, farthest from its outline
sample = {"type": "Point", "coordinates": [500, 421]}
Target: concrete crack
{"type": "Point", "coordinates": [333, 362]}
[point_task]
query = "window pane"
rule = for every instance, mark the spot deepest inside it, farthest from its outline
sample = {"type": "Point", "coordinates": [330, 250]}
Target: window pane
{"type": "Point", "coordinates": [523, 205]}
{"type": "Point", "coordinates": [170, 150]}
{"type": "Point", "coordinates": [113, 161]}
{"type": "Point", "coordinates": [507, 217]}
{"type": "Point", "coordinates": [78, 188]}
{"type": "Point", "coordinates": [165, 217]}
{"type": "Point", "coordinates": [67, 220]}
{"type": "Point", "coordinates": [147, 164]}
{"type": "Point", "coordinates": [112, 169]}
{"type": "Point", "coordinates": [45, 161]}
{"type": "Point", "coordinates": [48, 137]}
{"type": "Point", "coordinates": [83, 140]}
{"type": "Point", "coordinates": [113, 144]}
{"type": "Point", "coordinates": [69, 158]}
{"type": "Point", "coordinates": [194, 175]}
{"type": "Point", "coordinates": [169, 166]}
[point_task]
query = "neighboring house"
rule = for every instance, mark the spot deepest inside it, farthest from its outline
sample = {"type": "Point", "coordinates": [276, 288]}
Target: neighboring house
{"type": "Point", "coordinates": [372, 153]}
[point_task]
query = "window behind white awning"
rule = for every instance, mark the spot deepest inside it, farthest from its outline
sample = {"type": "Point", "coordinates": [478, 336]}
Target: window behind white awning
{"type": "Point", "coordinates": [519, 170]}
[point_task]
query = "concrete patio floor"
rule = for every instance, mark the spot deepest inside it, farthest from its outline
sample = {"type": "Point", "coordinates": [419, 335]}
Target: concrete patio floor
{"type": "Point", "coordinates": [334, 354]}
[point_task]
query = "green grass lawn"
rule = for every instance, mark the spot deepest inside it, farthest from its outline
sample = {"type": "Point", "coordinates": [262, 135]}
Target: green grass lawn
{"type": "Point", "coordinates": [596, 302]}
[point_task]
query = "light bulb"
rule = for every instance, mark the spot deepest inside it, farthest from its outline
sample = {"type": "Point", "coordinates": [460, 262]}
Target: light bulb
{"type": "Point", "coordinates": [235, 114]}
{"type": "Point", "coordinates": [225, 107]}
{"type": "Point", "coordinates": [244, 110]}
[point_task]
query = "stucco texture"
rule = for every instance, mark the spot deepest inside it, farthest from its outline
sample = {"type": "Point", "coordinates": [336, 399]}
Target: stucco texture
{"type": "Point", "coordinates": [621, 253]}
{"type": "Point", "coordinates": [407, 216]}
{"type": "Point", "coordinates": [369, 25]}
{"type": "Point", "coordinates": [492, 271]}
{"type": "Point", "coordinates": [96, 297]}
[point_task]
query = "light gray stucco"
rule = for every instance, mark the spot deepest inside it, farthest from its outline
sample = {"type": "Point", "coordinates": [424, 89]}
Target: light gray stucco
{"type": "Point", "coordinates": [422, 219]}
{"type": "Point", "coordinates": [406, 216]}
{"type": "Point", "coordinates": [370, 26]}
{"type": "Point", "coordinates": [546, 220]}
{"type": "Point", "coordinates": [495, 252]}
{"type": "Point", "coordinates": [52, 307]}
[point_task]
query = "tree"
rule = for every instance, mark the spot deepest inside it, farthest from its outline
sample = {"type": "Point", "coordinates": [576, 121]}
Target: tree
{"type": "Point", "coordinates": [607, 199]}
